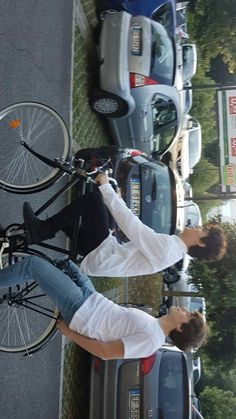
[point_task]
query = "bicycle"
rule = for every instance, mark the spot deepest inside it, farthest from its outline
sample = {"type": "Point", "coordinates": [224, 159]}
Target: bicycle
{"type": "Point", "coordinates": [28, 318]}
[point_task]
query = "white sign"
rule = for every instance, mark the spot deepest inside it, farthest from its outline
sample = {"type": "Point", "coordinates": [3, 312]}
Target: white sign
{"type": "Point", "coordinates": [227, 139]}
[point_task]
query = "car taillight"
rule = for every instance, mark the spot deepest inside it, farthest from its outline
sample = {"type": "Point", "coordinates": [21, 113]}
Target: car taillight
{"type": "Point", "coordinates": [133, 152]}
{"type": "Point", "coordinates": [138, 80]}
{"type": "Point", "coordinates": [147, 364]}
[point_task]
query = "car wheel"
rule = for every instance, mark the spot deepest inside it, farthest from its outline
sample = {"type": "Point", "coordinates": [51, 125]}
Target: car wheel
{"type": "Point", "coordinates": [170, 277]}
{"type": "Point", "coordinates": [108, 104]}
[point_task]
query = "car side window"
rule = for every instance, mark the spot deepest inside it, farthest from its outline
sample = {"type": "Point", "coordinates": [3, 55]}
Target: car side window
{"type": "Point", "coordinates": [164, 111]}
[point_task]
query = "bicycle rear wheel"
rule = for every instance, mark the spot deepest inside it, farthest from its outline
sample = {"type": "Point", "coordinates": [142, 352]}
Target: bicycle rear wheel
{"type": "Point", "coordinates": [27, 315]}
{"type": "Point", "coordinates": [45, 132]}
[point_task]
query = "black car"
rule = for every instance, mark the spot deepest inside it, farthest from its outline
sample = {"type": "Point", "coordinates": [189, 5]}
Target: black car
{"type": "Point", "coordinates": [147, 186]}
{"type": "Point", "coordinates": [157, 387]}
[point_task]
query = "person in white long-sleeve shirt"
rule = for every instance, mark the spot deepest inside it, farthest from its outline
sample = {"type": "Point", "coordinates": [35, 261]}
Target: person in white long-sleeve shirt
{"type": "Point", "coordinates": [146, 252]}
{"type": "Point", "coordinates": [98, 325]}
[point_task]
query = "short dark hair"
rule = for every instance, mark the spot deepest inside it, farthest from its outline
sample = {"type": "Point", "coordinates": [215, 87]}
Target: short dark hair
{"type": "Point", "coordinates": [215, 244]}
{"type": "Point", "coordinates": [192, 334]}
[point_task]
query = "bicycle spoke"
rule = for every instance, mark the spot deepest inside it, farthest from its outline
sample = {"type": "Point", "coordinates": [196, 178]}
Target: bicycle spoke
{"type": "Point", "coordinates": [40, 128]}
{"type": "Point", "coordinates": [27, 316]}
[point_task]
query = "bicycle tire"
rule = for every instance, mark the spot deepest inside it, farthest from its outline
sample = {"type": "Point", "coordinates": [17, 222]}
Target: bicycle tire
{"type": "Point", "coordinates": [21, 328]}
{"type": "Point", "coordinates": [43, 130]}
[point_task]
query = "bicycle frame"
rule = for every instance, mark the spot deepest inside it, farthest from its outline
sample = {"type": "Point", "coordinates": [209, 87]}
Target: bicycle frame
{"type": "Point", "coordinates": [78, 175]}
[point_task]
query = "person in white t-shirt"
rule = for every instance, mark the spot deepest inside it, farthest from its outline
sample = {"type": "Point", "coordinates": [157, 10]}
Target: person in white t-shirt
{"type": "Point", "coordinates": [146, 252]}
{"type": "Point", "coordinates": [98, 325]}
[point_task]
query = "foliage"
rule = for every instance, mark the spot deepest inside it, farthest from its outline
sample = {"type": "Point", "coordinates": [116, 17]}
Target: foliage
{"type": "Point", "coordinates": [217, 403]}
{"type": "Point", "coordinates": [214, 24]}
{"type": "Point", "coordinates": [204, 176]}
{"type": "Point", "coordinates": [204, 103]}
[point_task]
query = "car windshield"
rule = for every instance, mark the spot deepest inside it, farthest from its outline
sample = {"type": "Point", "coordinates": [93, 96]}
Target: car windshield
{"type": "Point", "coordinates": [164, 114]}
{"type": "Point", "coordinates": [162, 56]}
{"type": "Point", "coordinates": [194, 148]}
{"type": "Point", "coordinates": [158, 198]}
{"type": "Point", "coordinates": [173, 386]}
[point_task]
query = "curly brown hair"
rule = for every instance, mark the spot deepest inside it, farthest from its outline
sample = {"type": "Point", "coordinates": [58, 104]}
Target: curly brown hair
{"type": "Point", "coordinates": [215, 245]}
{"type": "Point", "coordinates": [192, 334]}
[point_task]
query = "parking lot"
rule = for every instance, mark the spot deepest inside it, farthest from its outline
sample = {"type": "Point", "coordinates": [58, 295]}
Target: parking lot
{"type": "Point", "coordinates": [88, 129]}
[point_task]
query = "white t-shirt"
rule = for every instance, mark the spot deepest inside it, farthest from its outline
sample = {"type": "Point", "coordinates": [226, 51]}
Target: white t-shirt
{"type": "Point", "coordinates": [101, 319]}
{"type": "Point", "coordinates": [147, 252]}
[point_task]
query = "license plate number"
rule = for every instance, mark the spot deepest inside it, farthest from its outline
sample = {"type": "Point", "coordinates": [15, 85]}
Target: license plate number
{"type": "Point", "coordinates": [135, 196]}
{"type": "Point", "coordinates": [134, 404]}
{"type": "Point", "coordinates": [136, 41]}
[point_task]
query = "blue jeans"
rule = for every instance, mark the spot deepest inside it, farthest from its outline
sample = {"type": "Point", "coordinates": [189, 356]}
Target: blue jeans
{"type": "Point", "coordinates": [66, 294]}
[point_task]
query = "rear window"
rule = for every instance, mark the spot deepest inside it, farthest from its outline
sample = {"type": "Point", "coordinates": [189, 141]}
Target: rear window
{"type": "Point", "coordinates": [158, 205]}
{"type": "Point", "coordinates": [164, 15]}
{"type": "Point", "coordinates": [162, 56]}
{"type": "Point", "coordinates": [173, 391]}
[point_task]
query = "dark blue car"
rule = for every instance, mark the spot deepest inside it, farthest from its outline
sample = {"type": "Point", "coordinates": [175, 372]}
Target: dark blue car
{"type": "Point", "coordinates": [162, 11]}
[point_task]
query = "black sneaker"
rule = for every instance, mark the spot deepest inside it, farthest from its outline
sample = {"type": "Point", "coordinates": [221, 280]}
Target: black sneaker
{"type": "Point", "coordinates": [32, 225]}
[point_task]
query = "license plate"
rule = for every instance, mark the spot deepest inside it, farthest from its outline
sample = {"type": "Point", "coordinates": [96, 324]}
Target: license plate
{"type": "Point", "coordinates": [134, 404]}
{"type": "Point", "coordinates": [136, 41]}
{"type": "Point", "coordinates": [135, 196]}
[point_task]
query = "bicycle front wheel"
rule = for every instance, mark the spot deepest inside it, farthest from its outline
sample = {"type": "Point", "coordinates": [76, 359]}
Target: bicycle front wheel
{"type": "Point", "coordinates": [45, 132]}
{"type": "Point", "coordinates": [28, 317]}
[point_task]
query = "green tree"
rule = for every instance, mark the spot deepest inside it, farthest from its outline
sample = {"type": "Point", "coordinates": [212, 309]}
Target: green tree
{"type": "Point", "coordinates": [218, 404]}
{"type": "Point", "coordinates": [205, 175]}
{"type": "Point", "coordinates": [213, 23]}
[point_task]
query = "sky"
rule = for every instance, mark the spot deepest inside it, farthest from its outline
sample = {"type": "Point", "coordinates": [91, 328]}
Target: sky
{"type": "Point", "coordinates": [228, 211]}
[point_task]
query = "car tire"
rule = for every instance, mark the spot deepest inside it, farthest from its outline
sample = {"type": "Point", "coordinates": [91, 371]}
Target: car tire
{"type": "Point", "coordinates": [170, 277]}
{"type": "Point", "coordinates": [107, 104]}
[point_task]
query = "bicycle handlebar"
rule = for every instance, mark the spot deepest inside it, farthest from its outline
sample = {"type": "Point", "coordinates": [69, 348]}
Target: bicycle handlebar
{"type": "Point", "coordinates": [67, 167]}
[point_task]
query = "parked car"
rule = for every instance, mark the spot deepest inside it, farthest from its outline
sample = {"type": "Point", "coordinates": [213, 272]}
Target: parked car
{"type": "Point", "coordinates": [196, 369]}
{"type": "Point", "coordinates": [189, 52]}
{"type": "Point", "coordinates": [174, 273]}
{"type": "Point", "coordinates": [147, 186]}
{"type": "Point", "coordinates": [155, 387]}
{"type": "Point", "coordinates": [195, 413]}
{"type": "Point", "coordinates": [187, 96]}
{"type": "Point", "coordinates": [188, 146]}
{"type": "Point", "coordinates": [196, 408]}
{"type": "Point", "coordinates": [192, 214]}
{"type": "Point", "coordinates": [188, 191]}
{"type": "Point", "coordinates": [183, 284]}
{"type": "Point", "coordinates": [162, 11]}
{"type": "Point", "coordinates": [137, 75]}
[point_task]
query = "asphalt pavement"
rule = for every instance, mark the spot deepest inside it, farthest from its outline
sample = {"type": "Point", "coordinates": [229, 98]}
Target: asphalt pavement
{"type": "Point", "coordinates": [35, 65]}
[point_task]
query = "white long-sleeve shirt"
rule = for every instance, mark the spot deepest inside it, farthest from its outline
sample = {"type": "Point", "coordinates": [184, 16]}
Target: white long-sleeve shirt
{"type": "Point", "coordinates": [147, 252]}
{"type": "Point", "coordinates": [101, 319]}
